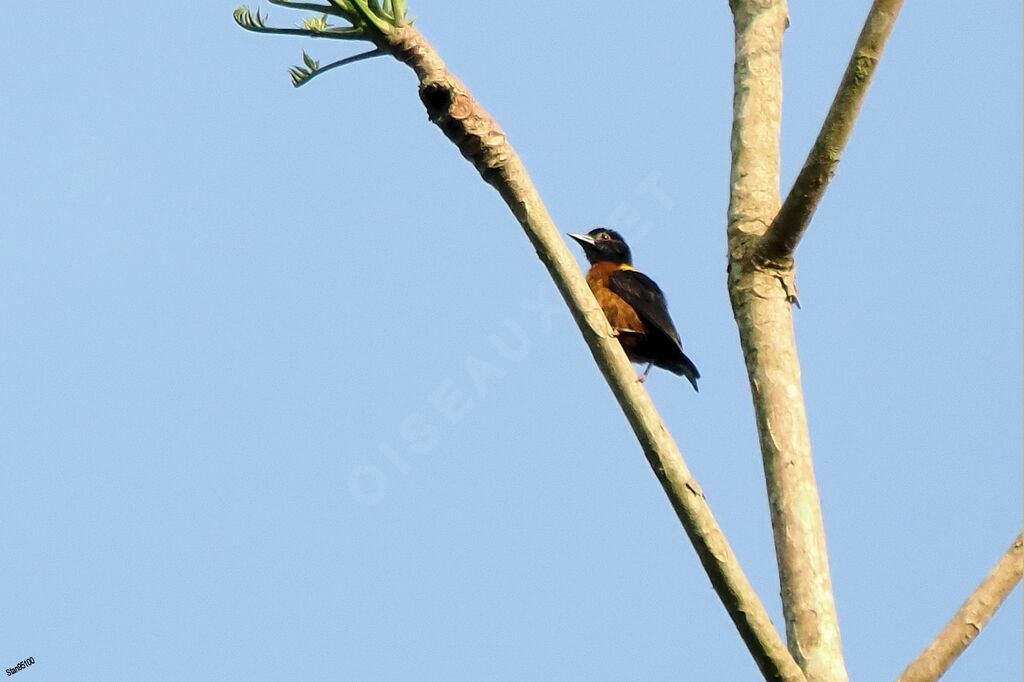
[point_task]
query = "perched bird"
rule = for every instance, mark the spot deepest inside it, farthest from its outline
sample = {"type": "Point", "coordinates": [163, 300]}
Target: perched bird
{"type": "Point", "coordinates": [634, 305]}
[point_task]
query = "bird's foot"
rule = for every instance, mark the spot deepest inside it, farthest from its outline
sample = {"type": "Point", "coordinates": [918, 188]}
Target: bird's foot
{"type": "Point", "coordinates": [642, 377]}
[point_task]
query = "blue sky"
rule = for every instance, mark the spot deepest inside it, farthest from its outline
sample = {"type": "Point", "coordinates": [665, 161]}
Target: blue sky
{"type": "Point", "coordinates": [287, 395]}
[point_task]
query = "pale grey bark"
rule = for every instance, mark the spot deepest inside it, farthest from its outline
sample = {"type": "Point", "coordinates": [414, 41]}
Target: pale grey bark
{"type": "Point", "coordinates": [761, 295]}
{"type": "Point", "coordinates": [967, 623]}
{"type": "Point", "coordinates": [791, 221]}
{"type": "Point", "coordinates": [451, 106]}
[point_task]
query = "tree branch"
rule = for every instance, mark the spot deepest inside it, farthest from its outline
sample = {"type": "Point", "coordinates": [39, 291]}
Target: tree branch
{"type": "Point", "coordinates": [793, 218]}
{"type": "Point", "coordinates": [453, 109]}
{"type": "Point", "coordinates": [966, 625]}
{"type": "Point", "coordinates": [761, 294]}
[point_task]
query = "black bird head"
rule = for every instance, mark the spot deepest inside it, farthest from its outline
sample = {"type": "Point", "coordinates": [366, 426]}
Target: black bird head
{"type": "Point", "coordinates": [602, 245]}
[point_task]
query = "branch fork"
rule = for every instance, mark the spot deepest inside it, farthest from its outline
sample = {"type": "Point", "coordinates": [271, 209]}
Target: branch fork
{"type": "Point", "coordinates": [762, 239]}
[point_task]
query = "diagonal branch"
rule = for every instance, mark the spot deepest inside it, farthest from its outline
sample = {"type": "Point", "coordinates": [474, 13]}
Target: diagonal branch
{"type": "Point", "coordinates": [453, 109]}
{"type": "Point", "coordinates": [792, 220]}
{"type": "Point", "coordinates": [966, 625]}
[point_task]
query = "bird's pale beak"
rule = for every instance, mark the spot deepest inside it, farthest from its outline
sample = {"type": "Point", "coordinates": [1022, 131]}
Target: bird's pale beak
{"type": "Point", "coordinates": [584, 239]}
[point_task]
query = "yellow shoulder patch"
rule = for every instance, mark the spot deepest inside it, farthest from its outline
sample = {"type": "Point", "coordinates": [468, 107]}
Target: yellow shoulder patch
{"type": "Point", "coordinates": [626, 267]}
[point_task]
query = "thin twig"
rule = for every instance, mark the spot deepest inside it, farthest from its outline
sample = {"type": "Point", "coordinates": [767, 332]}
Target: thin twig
{"type": "Point", "coordinates": [309, 7]}
{"type": "Point", "coordinates": [792, 220]}
{"type": "Point", "coordinates": [301, 75]}
{"type": "Point", "coordinates": [966, 625]}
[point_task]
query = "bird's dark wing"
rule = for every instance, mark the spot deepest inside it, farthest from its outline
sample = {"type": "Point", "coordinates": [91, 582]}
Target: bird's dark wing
{"type": "Point", "coordinates": [640, 291]}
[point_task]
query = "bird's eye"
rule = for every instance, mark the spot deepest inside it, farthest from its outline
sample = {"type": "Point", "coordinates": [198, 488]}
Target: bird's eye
{"type": "Point", "coordinates": [604, 236]}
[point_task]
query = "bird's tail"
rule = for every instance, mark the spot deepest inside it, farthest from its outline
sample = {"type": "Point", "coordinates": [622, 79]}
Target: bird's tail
{"type": "Point", "coordinates": [683, 366]}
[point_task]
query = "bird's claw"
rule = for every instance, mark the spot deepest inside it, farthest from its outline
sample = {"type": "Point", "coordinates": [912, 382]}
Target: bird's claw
{"type": "Point", "coordinates": [642, 377]}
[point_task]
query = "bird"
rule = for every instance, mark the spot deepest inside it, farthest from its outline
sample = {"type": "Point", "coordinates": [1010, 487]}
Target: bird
{"type": "Point", "coordinates": [634, 305]}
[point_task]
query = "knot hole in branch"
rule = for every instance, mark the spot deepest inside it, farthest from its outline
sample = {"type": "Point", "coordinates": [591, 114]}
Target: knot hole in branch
{"type": "Point", "coordinates": [437, 98]}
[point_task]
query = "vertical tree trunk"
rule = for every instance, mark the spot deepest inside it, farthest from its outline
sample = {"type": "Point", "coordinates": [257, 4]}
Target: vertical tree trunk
{"type": "Point", "coordinates": [762, 293]}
